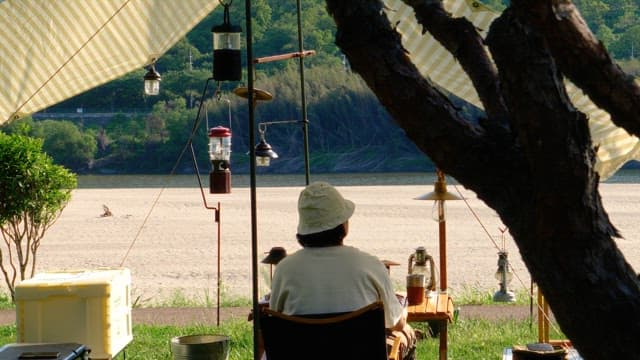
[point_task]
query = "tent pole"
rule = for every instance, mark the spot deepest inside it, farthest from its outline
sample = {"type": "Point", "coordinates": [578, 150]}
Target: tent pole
{"type": "Point", "coordinates": [303, 105]}
{"type": "Point", "coordinates": [252, 167]}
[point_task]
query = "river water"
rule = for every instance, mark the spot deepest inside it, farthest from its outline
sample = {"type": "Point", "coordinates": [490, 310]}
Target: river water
{"type": "Point", "coordinates": [624, 176]}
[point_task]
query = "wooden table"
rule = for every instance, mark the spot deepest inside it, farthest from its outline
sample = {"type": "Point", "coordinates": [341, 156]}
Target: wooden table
{"type": "Point", "coordinates": [438, 307]}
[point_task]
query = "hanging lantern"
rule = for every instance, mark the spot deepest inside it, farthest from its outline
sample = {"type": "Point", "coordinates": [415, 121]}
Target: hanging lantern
{"type": "Point", "coordinates": [152, 81]}
{"type": "Point", "coordinates": [227, 64]}
{"type": "Point", "coordinates": [440, 195]}
{"type": "Point", "coordinates": [504, 276]}
{"type": "Point", "coordinates": [264, 152]}
{"type": "Point", "coordinates": [220, 156]}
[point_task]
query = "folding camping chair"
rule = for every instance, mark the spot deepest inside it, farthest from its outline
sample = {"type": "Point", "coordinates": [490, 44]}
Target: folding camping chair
{"type": "Point", "coordinates": [359, 334]}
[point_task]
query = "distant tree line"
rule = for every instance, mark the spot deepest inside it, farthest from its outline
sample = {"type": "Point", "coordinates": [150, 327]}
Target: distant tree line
{"type": "Point", "coordinates": [348, 129]}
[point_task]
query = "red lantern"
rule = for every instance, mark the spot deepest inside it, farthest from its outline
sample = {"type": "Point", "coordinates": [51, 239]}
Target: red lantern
{"type": "Point", "coordinates": [220, 156]}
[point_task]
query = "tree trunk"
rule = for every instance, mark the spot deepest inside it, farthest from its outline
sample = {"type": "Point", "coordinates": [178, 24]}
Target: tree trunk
{"type": "Point", "coordinates": [535, 169]}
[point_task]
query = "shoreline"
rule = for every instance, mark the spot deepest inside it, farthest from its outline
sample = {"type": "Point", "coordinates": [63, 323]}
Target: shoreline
{"type": "Point", "coordinates": [168, 239]}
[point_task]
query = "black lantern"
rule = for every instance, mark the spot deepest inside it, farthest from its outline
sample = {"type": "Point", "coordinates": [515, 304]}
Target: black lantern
{"type": "Point", "coordinates": [152, 81]}
{"type": "Point", "coordinates": [264, 152]}
{"type": "Point", "coordinates": [227, 64]}
{"type": "Point", "coordinates": [220, 156]}
{"type": "Point", "coordinates": [275, 255]}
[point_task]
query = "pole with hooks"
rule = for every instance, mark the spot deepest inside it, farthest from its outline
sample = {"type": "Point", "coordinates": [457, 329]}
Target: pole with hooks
{"type": "Point", "coordinates": [252, 178]}
{"type": "Point", "coordinates": [305, 121]}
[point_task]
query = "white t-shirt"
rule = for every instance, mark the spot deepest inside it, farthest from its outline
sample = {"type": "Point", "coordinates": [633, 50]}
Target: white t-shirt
{"type": "Point", "coordinates": [330, 280]}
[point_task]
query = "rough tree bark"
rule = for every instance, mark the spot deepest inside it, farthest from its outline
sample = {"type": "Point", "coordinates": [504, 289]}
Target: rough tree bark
{"type": "Point", "coordinates": [532, 158]}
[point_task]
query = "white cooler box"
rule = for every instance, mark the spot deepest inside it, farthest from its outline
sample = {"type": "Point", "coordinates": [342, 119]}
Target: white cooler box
{"type": "Point", "coordinates": [90, 307]}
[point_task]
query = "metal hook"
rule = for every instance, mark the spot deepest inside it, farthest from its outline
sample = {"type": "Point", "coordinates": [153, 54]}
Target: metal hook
{"type": "Point", "coordinates": [218, 92]}
{"type": "Point", "coordinates": [262, 129]}
{"type": "Point", "coordinates": [226, 16]}
{"type": "Point", "coordinates": [218, 96]}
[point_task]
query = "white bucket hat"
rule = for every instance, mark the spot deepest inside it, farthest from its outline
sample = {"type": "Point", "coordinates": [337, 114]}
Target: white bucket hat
{"type": "Point", "coordinates": [321, 208]}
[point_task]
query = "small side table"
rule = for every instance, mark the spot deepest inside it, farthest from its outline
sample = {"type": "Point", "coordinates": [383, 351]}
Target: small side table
{"type": "Point", "coordinates": [439, 308]}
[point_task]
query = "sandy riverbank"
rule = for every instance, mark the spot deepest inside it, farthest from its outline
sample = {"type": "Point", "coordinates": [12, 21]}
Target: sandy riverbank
{"type": "Point", "coordinates": [173, 242]}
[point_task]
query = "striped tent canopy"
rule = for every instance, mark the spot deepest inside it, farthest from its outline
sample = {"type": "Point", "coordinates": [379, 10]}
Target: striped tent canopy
{"type": "Point", "coordinates": [616, 146]}
{"type": "Point", "coordinates": [53, 50]}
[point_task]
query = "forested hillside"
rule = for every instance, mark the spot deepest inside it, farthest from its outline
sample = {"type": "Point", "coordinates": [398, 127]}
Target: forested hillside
{"type": "Point", "coordinates": [116, 129]}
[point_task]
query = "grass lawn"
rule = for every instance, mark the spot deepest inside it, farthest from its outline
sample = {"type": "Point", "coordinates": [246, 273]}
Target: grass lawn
{"type": "Point", "coordinates": [468, 339]}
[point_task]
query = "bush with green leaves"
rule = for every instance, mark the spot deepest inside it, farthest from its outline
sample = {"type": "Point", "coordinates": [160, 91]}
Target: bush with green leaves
{"type": "Point", "coordinates": [33, 193]}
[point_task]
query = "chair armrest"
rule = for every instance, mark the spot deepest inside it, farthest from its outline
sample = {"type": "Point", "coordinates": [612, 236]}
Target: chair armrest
{"type": "Point", "coordinates": [394, 353]}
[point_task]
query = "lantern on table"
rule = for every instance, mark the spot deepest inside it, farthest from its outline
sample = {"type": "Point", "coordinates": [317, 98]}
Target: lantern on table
{"type": "Point", "coordinates": [420, 262]}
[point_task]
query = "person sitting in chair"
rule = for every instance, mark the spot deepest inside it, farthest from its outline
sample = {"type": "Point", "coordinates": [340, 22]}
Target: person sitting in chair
{"type": "Point", "coordinates": [326, 276]}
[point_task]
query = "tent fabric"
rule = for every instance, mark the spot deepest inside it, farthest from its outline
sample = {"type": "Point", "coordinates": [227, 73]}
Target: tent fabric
{"type": "Point", "coordinates": [615, 145]}
{"type": "Point", "coordinates": [53, 50]}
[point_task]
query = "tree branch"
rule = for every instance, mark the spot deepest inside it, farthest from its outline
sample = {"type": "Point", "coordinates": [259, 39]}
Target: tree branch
{"type": "Point", "coordinates": [463, 41]}
{"type": "Point", "coordinates": [5, 273]}
{"type": "Point", "coordinates": [458, 146]}
{"type": "Point", "coordinates": [587, 63]}
{"type": "Point", "coordinates": [8, 239]}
